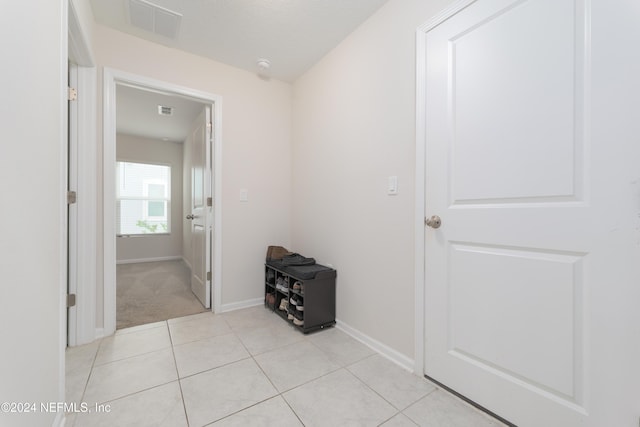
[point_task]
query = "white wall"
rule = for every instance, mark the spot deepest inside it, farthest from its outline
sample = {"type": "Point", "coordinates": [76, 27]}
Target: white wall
{"type": "Point", "coordinates": [32, 218]}
{"type": "Point", "coordinates": [85, 16]}
{"type": "Point", "coordinates": [145, 150]}
{"type": "Point", "coordinates": [353, 126]}
{"type": "Point", "coordinates": [256, 127]}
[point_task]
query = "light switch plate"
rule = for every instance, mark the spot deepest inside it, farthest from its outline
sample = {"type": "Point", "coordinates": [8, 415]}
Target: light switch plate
{"type": "Point", "coordinates": [392, 187]}
{"type": "Point", "coordinates": [244, 195]}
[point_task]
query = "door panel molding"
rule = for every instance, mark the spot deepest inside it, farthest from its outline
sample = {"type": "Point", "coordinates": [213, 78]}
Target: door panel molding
{"type": "Point", "coordinates": [552, 279]}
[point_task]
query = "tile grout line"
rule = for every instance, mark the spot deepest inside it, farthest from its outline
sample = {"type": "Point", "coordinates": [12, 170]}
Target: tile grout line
{"type": "Point", "coordinates": [220, 366]}
{"type": "Point", "coordinates": [395, 415]}
{"type": "Point", "coordinates": [122, 334]}
{"type": "Point", "coordinates": [132, 356]}
{"type": "Point", "coordinates": [251, 356]}
{"type": "Point", "coordinates": [119, 397]}
{"type": "Point", "coordinates": [324, 353]}
{"type": "Point", "coordinates": [86, 383]}
{"type": "Point", "coordinates": [375, 392]}
{"type": "Point", "coordinates": [135, 392]}
{"type": "Point", "coordinates": [279, 393]}
{"type": "Point", "coordinates": [347, 364]}
{"type": "Point", "coordinates": [175, 363]}
{"type": "Point", "coordinates": [213, 369]}
{"type": "Point", "coordinates": [400, 411]}
{"type": "Point", "coordinates": [292, 410]}
{"type": "Point", "coordinates": [93, 365]}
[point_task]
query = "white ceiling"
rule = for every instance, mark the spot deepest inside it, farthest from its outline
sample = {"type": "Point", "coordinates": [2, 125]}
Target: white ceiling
{"type": "Point", "coordinates": [292, 34]}
{"type": "Point", "coordinates": [137, 114]}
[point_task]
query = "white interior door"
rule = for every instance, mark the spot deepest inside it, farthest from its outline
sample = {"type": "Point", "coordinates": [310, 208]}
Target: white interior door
{"type": "Point", "coordinates": [201, 213]}
{"type": "Point", "coordinates": [524, 247]}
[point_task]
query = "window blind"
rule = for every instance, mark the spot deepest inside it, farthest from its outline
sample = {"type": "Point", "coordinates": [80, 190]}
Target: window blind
{"type": "Point", "coordinates": [143, 198]}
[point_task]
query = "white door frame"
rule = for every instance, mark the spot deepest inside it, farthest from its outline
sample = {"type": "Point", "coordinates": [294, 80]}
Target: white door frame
{"type": "Point", "coordinates": [82, 152]}
{"type": "Point", "coordinates": [63, 141]}
{"type": "Point", "coordinates": [421, 142]}
{"type": "Point", "coordinates": [112, 78]}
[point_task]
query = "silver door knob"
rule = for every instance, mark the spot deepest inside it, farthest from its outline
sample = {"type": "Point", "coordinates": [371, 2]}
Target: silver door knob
{"type": "Point", "coordinates": [434, 221]}
{"type": "Point", "coordinates": [190, 216]}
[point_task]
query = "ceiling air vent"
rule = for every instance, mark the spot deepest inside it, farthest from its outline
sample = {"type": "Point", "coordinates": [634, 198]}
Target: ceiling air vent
{"type": "Point", "coordinates": [165, 111]}
{"type": "Point", "coordinates": [153, 18]}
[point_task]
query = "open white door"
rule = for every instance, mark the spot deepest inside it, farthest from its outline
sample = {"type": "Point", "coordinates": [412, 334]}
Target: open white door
{"type": "Point", "coordinates": [201, 214]}
{"type": "Point", "coordinates": [520, 310]}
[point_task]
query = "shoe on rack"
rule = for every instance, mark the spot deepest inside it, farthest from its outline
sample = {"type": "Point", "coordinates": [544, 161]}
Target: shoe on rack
{"type": "Point", "coordinates": [297, 286]}
{"type": "Point", "coordinates": [270, 299]}
{"type": "Point", "coordinates": [297, 259]}
{"type": "Point", "coordinates": [298, 322]}
{"type": "Point", "coordinates": [293, 301]}
{"type": "Point", "coordinates": [290, 316]}
{"type": "Point", "coordinates": [271, 277]}
{"type": "Point", "coordinates": [284, 304]}
{"type": "Point", "coordinates": [300, 307]}
{"type": "Point", "coordinates": [282, 285]}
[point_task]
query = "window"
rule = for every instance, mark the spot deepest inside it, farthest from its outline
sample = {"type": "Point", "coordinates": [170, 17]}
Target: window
{"type": "Point", "coordinates": [143, 199]}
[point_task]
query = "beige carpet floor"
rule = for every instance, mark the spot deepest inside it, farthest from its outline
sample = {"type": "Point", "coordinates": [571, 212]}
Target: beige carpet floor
{"type": "Point", "coordinates": [153, 291]}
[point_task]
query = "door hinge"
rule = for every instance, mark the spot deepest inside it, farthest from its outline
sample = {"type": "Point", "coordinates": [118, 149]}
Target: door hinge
{"type": "Point", "coordinates": [209, 201]}
{"type": "Point", "coordinates": [208, 275]}
{"type": "Point", "coordinates": [73, 94]}
{"type": "Point", "coordinates": [71, 197]}
{"type": "Point", "coordinates": [71, 300]}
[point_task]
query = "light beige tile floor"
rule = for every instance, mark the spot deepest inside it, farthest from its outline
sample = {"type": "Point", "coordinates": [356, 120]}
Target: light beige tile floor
{"type": "Point", "coordinates": [249, 368]}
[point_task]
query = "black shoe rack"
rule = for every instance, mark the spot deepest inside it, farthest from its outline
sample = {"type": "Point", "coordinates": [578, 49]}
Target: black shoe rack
{"type": "Point", "coordinates": [317, 296]}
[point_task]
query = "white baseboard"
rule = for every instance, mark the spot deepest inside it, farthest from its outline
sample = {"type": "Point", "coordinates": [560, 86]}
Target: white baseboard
{"type": "Point", "coordinates": [241, 304]}
{"type": "Point", "coordinates": [187, 262]}
{"type": "Point", "coordinates": [136, 261]}
{"type": "Point", "coordinates": [383, 349]}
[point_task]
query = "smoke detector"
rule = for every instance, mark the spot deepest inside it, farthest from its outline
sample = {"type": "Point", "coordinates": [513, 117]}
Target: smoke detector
{"type": "Point", "coordinates": [165, 111]}
{"type": "Point", "coordinates": [153, 18]}
{"type": "Point", "coordinates": [263, 66]}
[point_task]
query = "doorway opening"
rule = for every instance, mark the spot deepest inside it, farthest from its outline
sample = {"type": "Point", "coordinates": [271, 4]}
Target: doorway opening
{"type": "Point", "coordinates": [161, 201]}
{"type": "Point", "coordinates": [154, 183]}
